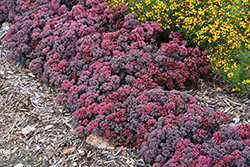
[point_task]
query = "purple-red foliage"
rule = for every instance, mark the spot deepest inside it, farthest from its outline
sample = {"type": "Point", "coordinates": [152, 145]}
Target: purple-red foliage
{"type": "Point", "coordinates": [87, 34]}
{"type": "Point", "coordinates": [3, 12]}
{"type": "Point", "coordinates": [225, 149]}
{"type": "Point", "coordinates": [179, 62]}
{"type": "Point", "coordinates": [7, 8]}
{"type": "Point", "coordinates": [244, 133]}
{"type": "Point", "coordinates": [12, 10]}
{"type": "Point", "coordinates": [93, 55]}
{"type": "Point", "coordinates": [70, 3]}
{"type": "Point", "coordinates": [20, 37]}
{"type": "Point", "coordinates": [185, 121]}
{"type": "Point", "coordinates": [138, 111]}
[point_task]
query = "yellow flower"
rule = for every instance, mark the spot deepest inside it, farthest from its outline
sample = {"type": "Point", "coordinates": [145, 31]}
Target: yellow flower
{"type": "Point", "coordinates": [147, 14]}
{"type": "Point", "coordinates": [235, 89]}
{"type": "Point", "coordinates": [234, 66]}
{"type": "Point", "coordinates": [139, 5]}
{"type": "Point", "coordinates": [230, 74]}
{"type": "Point", "coordinates": [215, 37]}
{"type": "Point", "coordinates": [165, 16]}
{"type": "Point", "coordinates": [221, 63]}
{"type": "Point", "coordinates": [226, 69]}
{"type": "Point", "coordinates": [244, 82]}
{"type": "Point", "coordinates": [148, 2]}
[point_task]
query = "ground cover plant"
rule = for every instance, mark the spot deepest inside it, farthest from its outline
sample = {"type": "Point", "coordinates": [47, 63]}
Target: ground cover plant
{"type": "Point", "coordinates": [119, 81]}
{"type": "Point", "coordinates": [222, 27]}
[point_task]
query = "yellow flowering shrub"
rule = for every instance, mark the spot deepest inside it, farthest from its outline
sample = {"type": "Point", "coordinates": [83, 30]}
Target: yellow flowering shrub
{"type": "Point", "coordinates": [221, 26]}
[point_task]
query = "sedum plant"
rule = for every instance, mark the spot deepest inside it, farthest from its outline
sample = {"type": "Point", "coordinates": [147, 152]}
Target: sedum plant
{"type": "Point", "coordinates": [218, 26]}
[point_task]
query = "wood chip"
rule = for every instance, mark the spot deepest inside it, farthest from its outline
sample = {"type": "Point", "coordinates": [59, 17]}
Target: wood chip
{"type": "Point", "coordinates": [129, 161]}
{"type": "Point", "coordinates": [84, 153]}
{"type": "Point", "coordinates": [14, 150]}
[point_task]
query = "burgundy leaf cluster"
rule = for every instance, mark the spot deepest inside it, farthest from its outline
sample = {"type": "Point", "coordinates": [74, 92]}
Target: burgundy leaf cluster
{"type": "Point", "coordinates": [228, 147]}
{"type": "Point", "coordinates": [188, 122]}
{"type": "Point", "coordinates": [10, 10]}
{"type": "Point", "coordinates": [50, 37]}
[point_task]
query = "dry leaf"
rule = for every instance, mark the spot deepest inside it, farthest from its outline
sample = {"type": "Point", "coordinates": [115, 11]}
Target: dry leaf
{"type": "Point", "coordinates": [13, 138]}
{"type": "Point", "coordinates": [25, 68]}
{"type": "Point", "coordinates": [82, 135]}
{"type": "Point", "coordinates": [84, 153]}
{"type": "Point", "coordinates": [99, 142]}
{"type": "Point", "coordinates": [206, 97]}
{"type": "Point", "coordinates": [124, 153]}
{"type": "Point", "coordinates": [136, 146]}
{"type": "Point", "coordinates": [58, 89]}
{"type": "Point", "coordinates": [218, 89]}
{"type": "Point", "coordinates": [68, 151]}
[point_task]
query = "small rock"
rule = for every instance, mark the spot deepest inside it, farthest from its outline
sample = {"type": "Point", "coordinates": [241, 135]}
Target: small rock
{"type": "Point", "coordinates": [81, 152]}
{"type": "Point", "coordinates": [74, 164]}
{"type": "Point", "coordinates": [28, 129]}
{"type": "Point", "coordinates": [196, 97]}
{"type": "Point", "coordinates": [37, 95]}
{"type": "Point", "coordinates": [236, 119]}
{"type": "Point", "coordinates": [30, 74]}
{"type": "Point", "coordinates": [38, 147]}
{"type": "Point", "coordinates": [48, 127]}
{"type": "Point", "coordinates": [42, 140]}
{"type": "Point", "coordinates": [6, 26]}
{"type": "Point", "coordinates": [19, 165]}
{"type": "Point", "coordinates": [68, 151]}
